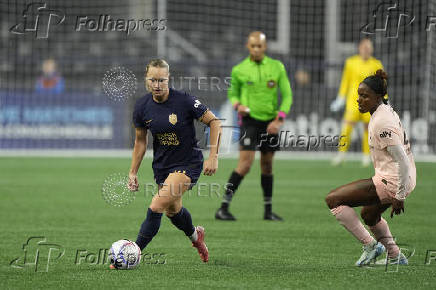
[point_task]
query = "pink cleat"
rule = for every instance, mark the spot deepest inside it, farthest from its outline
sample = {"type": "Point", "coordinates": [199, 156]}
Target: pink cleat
{"type": "Point", "coordinates": [201, 245]}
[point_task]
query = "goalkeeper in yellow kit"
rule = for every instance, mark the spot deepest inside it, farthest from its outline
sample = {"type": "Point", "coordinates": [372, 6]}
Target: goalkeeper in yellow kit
{"type": "Point", "coordinates": [356, 69]}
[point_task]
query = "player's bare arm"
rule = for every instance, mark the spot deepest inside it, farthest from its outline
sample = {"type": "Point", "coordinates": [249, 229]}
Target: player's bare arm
{"type": "Point", "coordinates": [137, 156]}
{"type": "Point", "coordinates": [211, 164]}
{"type": "Point", "coordinates": [400, 157]}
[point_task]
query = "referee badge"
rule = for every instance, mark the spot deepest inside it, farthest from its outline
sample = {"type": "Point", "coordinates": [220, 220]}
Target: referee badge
{"type": "Point", "coordinates": [271, 84]}
{"type": "Point", "coordinates": [173, 118]}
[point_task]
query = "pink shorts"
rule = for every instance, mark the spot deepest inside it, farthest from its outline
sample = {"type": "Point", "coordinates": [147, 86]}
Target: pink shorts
{"type": "Point", "coordinates": [386, 189]}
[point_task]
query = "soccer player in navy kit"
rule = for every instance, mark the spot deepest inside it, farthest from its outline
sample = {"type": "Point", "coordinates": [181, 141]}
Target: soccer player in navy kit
{"type": "Point", "coordinates": [177, 160]}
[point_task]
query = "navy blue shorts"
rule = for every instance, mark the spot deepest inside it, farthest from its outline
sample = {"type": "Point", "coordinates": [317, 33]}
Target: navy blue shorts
{"type": "Point", "coordinates": [193, 171]}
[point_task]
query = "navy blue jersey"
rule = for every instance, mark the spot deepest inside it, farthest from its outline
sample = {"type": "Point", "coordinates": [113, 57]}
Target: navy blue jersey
{"type": "Point", "coordinates": [172, 126]}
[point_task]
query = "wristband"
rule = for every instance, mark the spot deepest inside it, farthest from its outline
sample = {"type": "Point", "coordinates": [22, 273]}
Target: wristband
{"type": "Point", "coordinates": [281, 116]}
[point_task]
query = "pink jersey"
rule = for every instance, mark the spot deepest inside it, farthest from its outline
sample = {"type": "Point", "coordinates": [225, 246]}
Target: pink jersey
{"type": "Point", "coordinates": [385, 129]}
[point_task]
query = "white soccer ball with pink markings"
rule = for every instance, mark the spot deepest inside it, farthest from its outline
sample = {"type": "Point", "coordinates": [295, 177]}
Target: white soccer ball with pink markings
{"type": "Point", "coordinates": [125, 255]}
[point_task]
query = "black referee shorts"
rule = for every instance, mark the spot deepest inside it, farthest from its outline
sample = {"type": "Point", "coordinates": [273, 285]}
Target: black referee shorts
{"type": "Point", "coordinates": [254, 136]}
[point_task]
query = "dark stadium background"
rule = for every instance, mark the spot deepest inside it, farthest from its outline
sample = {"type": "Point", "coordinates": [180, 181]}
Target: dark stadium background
{"type": "Point", "coordinates": [218, 29]}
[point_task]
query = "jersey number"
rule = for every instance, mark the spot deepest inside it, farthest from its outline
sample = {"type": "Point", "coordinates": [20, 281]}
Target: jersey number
{"type": "Point", "coordinates": [197, 103]}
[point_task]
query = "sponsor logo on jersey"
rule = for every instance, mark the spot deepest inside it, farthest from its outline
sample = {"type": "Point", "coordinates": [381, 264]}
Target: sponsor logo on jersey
{"type": "Point", "coordinates": [271, 84]}
{"type": "Point", "coordinates": [385, 134]}
{"type": "Point", "coordinates": [173, 118]}
{"type": "Point", "coordinates": [168, 139]}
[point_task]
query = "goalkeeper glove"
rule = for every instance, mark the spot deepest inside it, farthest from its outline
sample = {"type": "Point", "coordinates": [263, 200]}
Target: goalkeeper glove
{"type": "Point", "coordinates": [337, 104]}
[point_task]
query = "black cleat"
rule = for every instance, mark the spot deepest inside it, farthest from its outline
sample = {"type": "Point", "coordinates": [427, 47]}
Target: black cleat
{"type": "Point", "coordinates": [224, 215]}
{"type": "Point", "coordinates": [272, 217]}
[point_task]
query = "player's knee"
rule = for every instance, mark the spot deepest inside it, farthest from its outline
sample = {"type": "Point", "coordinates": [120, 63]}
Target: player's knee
{"type": "Point", "coordinates": [160, 204]}
{"type": "Point", "coordinates": [172, 210]}
{"type": "Point", "coordinates": [369, 217]}
{"type": "Point", "coordinates": [157, 207]}
{"type": "Point", "coordinates": [332, 200]}
{"type": "Point", "coordinates": [244, 168]}
{"type": "Point", "coordinates": [169, 213]}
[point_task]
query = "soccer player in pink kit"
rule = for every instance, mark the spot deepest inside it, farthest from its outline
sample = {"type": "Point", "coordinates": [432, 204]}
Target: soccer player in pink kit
{"type": "Point", "coordinates": [394, 179]}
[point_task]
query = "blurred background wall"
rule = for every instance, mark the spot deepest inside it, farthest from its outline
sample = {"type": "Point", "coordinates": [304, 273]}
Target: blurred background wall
{"type": "Point", "coordinates": [55, 54]}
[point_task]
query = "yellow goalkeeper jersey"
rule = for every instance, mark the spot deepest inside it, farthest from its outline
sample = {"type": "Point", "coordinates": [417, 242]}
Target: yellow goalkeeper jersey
{"type": "Point", "coordinates": [355, 71]}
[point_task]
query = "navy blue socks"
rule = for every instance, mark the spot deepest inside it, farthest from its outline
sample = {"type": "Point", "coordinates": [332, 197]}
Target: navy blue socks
{"type": "Point", "coordinates": [183, 221]}
{"type": "Point", "coordinates": [149, 228]}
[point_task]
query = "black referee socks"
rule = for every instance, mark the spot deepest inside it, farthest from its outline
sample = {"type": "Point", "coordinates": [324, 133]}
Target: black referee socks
{"type": "Point", "coordinates": [267, 185]}
{"type": "Point", "coordinates": [149, 228]}
{"type": "Point", "coordinates": [231, 187]}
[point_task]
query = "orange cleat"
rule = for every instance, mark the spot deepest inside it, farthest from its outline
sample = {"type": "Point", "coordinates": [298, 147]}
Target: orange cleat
{"type": "Point", "coordinates": [201, 245]}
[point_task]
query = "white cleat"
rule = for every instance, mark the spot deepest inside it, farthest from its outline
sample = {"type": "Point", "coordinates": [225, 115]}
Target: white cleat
{"type": "Point", "coordinates": [338, 159]}
{"type": "Point", "coordinates": [366, 160]}
{"type": "Point", "coordinates": [399, 260]}
{"type": "Point", "coordinates": [370, 253]}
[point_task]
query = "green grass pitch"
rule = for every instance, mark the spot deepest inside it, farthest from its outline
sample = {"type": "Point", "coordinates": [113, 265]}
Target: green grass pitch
{"type": "Point", "coordinates": [60, 199]}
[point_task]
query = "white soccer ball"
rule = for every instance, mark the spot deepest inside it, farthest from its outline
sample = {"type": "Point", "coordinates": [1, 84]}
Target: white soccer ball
{"type": "Point", "coordinates": [125, 255]}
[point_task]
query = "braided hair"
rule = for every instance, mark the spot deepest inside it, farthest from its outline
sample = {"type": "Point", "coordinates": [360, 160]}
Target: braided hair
{"type": "Point", "coordinates": [378, 83]}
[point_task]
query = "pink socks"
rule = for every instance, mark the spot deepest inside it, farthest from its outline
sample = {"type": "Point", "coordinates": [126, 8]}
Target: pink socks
{"type": "Point", "coordinates": [349, 219]}
{"type": "Point", "coordinates": [383, 235]}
